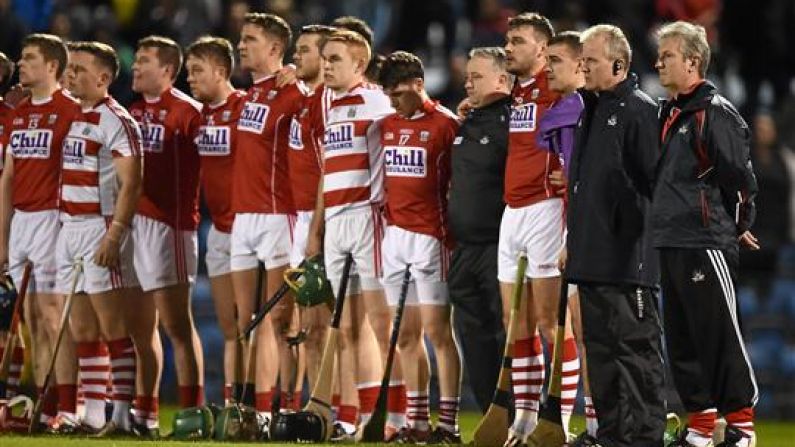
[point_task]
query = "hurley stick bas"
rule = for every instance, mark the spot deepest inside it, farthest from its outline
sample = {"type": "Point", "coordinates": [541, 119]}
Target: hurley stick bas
{"type": "Point", "coordinates": [34, 419]}
{"type": "Point", "coordinates": [13, 331]}
{"type": "Point", "coordinates": [492, 430]}
{"type": "Point", "coordinates": [320, 401]}
{"type": "Point", "coordinates": [549, 432]}
{"type": "Point", "coordinates": [374, 429]}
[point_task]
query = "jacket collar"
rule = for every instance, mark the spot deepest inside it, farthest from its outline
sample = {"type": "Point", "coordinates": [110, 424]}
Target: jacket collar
{"type": "Point", "coordinates": [502, 101]}
{"type": "Point", "coordinates": [623, 88]}
{"type": "Point", "coordinates": [696, 99]}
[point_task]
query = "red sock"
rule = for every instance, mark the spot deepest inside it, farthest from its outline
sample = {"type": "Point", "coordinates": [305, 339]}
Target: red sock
{"type": "Point", "coordinates": [191, 396]}
{"type": "Point", "coordinates": [702, 422]}
{"type": "Point", "coordinates": [570, 377]}
{"type": "Point", "coordinates": [296, 402]}
{"type": "Point", "coordinates": [418, 410]}
{"type": "Point", "coordinates": [742, 420]}
{"type": "Point", "coordinates": [67, 398]}
{"type": "Point", "coordinates": [263, 401]}
{"type": "Point", "coordinates": [527, 375]}
{"type": "Point", "coordinates": [227, 393]}
{"type": "Point", "coordinates": [14, 370]}
{"type": "Point", "coordinates": [368, 396]}
{"type": "Point", "coordinates": [336, 399]}
{"type": "Point", "coordinates": [93, 372]}
{"type": "Point", "coordinates": [347, 413]}
{"type": "Point", "coordinates": [145, 410]}
{"type": "Point", "coordinates": [122, 369]}
{"type": "Point", "coordinates": [396, 398]}
{"type": "Point", "coordinates": [49, 408]}
{"type": "Point", "coordinates": [448, 413]}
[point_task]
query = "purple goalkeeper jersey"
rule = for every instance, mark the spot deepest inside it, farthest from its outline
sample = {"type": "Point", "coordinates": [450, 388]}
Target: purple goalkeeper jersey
{"type": "Point", "coordinates": [557, 126]}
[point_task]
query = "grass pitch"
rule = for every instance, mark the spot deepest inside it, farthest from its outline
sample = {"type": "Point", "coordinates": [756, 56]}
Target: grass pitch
{"type": "Point", "coordinates": [770, 434]}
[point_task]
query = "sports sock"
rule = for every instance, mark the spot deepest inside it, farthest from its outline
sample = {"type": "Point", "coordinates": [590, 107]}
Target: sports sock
{"type": "Point", "coordinates": [122, 373]}
{"type": "Point", "coordinates": [396, 404]}
{"type": "Point", "coordinates": [448, 414]}
{"type": "Point", "coordinates": [67, 400]}
{"type": "Point", "coordinates": [418, 411]}
{"type": "Point", "coordinates": [94, 370]}
{"type": "Point", "coordinates": [591, 422]}
{"type": "Point", "coordinates": [146, 411]}
{"type": "Point", "coordinates": [570, 379]}
{"type": "Point", "coordinates": [14, 370]}
{"type": "Point", "coordinates": [368, 396]}
{"type": "Point", "coordinates": [527, 376]}
{"type": "Point", "coordinates": [742, 420]}
{"type": "Point", "coordinates": [191, 396]}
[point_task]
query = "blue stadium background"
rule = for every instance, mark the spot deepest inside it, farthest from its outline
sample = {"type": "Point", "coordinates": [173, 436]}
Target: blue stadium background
{"type": "Point", "coordinates": [754, 64]}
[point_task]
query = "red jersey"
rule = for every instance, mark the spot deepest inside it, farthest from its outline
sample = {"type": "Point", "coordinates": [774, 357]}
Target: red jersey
{"type": "Point", "coordinates": [260, 184]}
{"type": "Point", "coordinates": [306, 144]}
{"type": "Point", "coordinates": [353, 159]}
{"type": "Point", "coordinates": [217, 145]}
{"type": "Point", "coordinates": [528, 166]}
{"type": "Point", "coordinates": [35, 141]}
{"type": "Point", "coordinates": [417, 168]}
{"type": "Point", "coordinates": [90, 187]}
{"type": "Point", "coordinates": [169, 125]}
{"type": "Point", "coordinates": [6, 117]}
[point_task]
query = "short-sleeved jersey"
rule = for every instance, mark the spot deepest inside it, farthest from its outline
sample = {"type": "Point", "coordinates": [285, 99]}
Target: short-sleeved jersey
{"type": "Point", "coordinates": [353, 159]}
{"type": "Point", "coordinates": [528, 166]}
{"type": "Point", "coordinates": [306, 146]}
{"type": "Point", "coordinates": [169, 125]}
{"type": "Point", "coordinates": [217, 145]}
{"type": "Point", "coordinates": [261, 180]}
{"type": "Point", "coordinates": [90, 186]}
{"type": "Point", "coordinates": [6, 117]}
{"type": "Point", "coordinates": [417, 167]}
{"type": "Point", "coordinates": [35, 143]}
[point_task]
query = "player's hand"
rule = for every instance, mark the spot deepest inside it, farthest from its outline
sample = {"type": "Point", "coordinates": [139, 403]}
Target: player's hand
{"type": "Point", "coordinates": [463, 108]}
{"type": "Point", "coordinates": [562, 258]}
{"type": "Point", "coordinates": [748, 240]}
{"type": "Point", "coordinates": [16, 94]}
{"type": "Point", "coordinates": [107, 254]}
{"type": "Point", "coordinates": [286, 76]}
{"type": "Point", "coordinates": [558, 180]}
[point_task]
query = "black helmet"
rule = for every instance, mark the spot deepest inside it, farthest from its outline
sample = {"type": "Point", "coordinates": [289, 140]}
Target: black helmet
{"type": "Point", "coordinates": [300, 426]}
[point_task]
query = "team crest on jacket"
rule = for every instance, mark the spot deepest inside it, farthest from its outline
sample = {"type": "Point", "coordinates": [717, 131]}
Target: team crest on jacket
{"type": "Point", "coordinates": [338, 137]}
{"type": "Point", "coordinates": [295, 141]}
{"type": "Point", "coordinates": [214, 141]}
{"type": "Point", "coordinates": [253, 117]}
{"type": "Point", "coordinates": [405, 161]}
{"type": "Point", "coordinates": [523, 118]}
{"type": "Point", "coordinates": [153, 137]}
{"type": "Point", "coordinates": [30, 143]}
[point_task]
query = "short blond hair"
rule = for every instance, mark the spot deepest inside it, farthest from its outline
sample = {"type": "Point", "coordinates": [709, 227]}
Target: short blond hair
{"type": "Point", "coordinates": [617, 44]}
{"type": "Point", "coordinates": [692, 42]}
{"type": "Point", "coordinates": [357, 45]}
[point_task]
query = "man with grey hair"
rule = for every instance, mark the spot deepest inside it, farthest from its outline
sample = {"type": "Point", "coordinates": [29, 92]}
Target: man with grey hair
{"type": "Point", "coordinates": [702, 209]}
{"type": "Point", "coordinates": [610, 257]}
{"type": "Point", "coordinates": [474, 211]}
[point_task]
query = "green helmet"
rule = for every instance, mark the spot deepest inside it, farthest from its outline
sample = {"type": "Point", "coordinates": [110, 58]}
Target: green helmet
{"type": "Point", "coordinates": [312, 287]}
{"type": "Point", "coordinates": [237, 423]}
{"type": "Point", "coordinates": [193, 423]}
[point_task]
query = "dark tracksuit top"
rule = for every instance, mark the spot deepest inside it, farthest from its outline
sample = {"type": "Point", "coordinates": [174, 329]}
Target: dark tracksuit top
{"type": "Point", "coordinates": [703, 199]}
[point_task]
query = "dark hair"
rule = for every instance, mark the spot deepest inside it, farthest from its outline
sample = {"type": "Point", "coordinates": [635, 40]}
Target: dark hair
{"type": "Point", "coordinates": [51, 47]}
{"type": "Point", "coordinates": [215, 49]}
{"type": "Point", "coordinates": [540, 24]}
{"type": "Point", "coordinates": [323, 31]}
{"type": "Point", "coordinates": [104, 55]}
{"type": "Point", "coordinates": [356, 25]}
{"type": "Point", "coordinates": [571, 39]}
{"type": "Point", "coordinates": [272, 25]}
{"type": "Point", "coordinates": [168, 52]}
{"type": "Point", "coordinates": [399, 67]}
{"type": "Point", "coordinates": [6, 71]}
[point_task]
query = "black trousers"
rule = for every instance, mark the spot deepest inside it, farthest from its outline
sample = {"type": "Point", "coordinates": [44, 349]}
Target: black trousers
{"type": "Point", "coordinates": [709, 362]}
{"type": "Point", "coordinates": [477, 316]}
{"type": "Point", "coordinates": [621, 330]}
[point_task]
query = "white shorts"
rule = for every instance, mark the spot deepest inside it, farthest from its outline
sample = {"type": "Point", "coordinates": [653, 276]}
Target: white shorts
{"type": "Point", "coordinates": [358, 232]}
{"type": "Point", "coordinates": [219, 253]}
{"type": "Point", "coordinates": [263, 237]}
{"type": "Point", "coordinates": [33, 238]}
{"type": "Point", "coordinates": [300, 236]}
{"type": "Point", "coordinates": [163, 256]}
{"type": "Point", "coordinates": [81, 239]}
{"type": "Point", "coordinates": [429, 259]}
{"type": "Point", "coordinates": [536, 229]}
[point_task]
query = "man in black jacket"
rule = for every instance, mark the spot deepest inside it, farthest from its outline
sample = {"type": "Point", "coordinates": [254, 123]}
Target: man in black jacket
{"type": "Point", "coordinates": [702, 207]}
{"type": "Point", "coordinates": [475, 210]}
{"type": "Point", "coordinates": [610, 256]}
